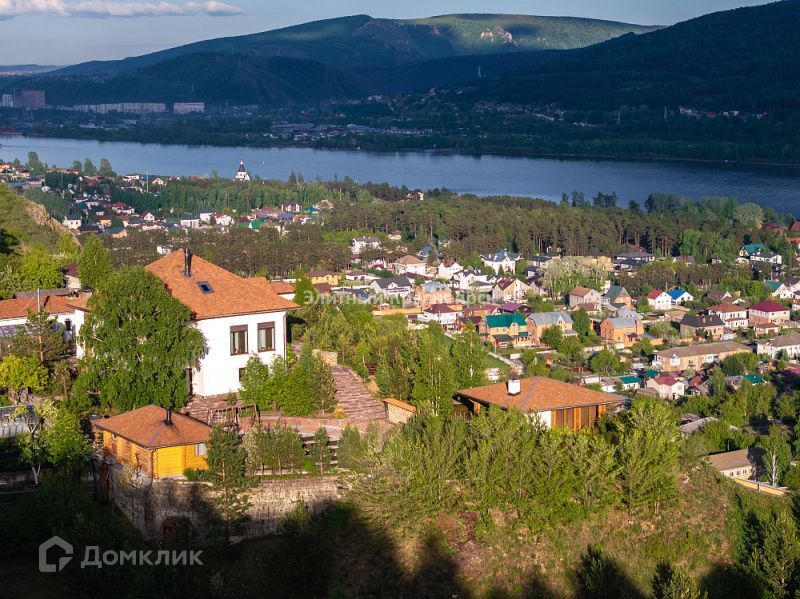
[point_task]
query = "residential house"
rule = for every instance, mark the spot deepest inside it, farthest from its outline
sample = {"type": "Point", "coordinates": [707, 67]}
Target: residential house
{"type": "Point", "coordinates": [782, 345]}
{"type": "Point", "coordinates": [778, 290]}
{"type": "Point", "coordinates": [73, 220]}
{"type": "Point", "coordinates": [616, 296]}
{"type": "Point", "coordinates": [667, 387]}
{"type": "Point", "coordinates": [692, 357]}
{"type": "Point", "coordinates": [359, 244]}
{"type": "Point", "coordinates": [583, 295]}
{"type": "Point", "coordinates": [634, 259]}
{"type": "Point", "coordinates": [720, 296]}
{"type": "Point", "coordinates": [509, 290]}
{"type": "Point", "coordinates": [625, 330]}
{"type": "Point", "coordinates": [432, 292]}
{"type": "Point", "coordinates": [191, 221]}
{"type": "Point", "coordinates": [770, 312]}
{"type": "Point", "coordinates": [447, 269]}
{"type": "Point", "coordinates": [319, 277]}
{"type": "Point", "coordinates": [14, 312]}
{"type": "Point", "coordinates": [733, 315]}
{"type": "Point", "coordinates": [746, 464]}
{"type": "Point", "coordinates": [660, 301]}
{"type": "Point", "coordinates": [539, 322]}
{"type": "Point", "coordinates": [428, 253]}
{"type": "Point", "coordinates": [766, 256]}
{"type": "Point", "coordinates": [505, 330]}
{"type": "Point", "coordinates": [679, 297]}
{"type": "Point", "coordinates": [553, 403]}
{"type": "Point", "coordinates": [394, 288]}
{"type": "Point", "coordinates": [293, 207]}
{"type": "Point", "coordinates": [710, 325]}
{"type": "Point", "coordinates": [502, 261]}
{"type": "Point", "coordinates": [447, 315]}
{"type": "Point", "coordinates": [752, 248]}
{"type": "Point", "coordinates": [793, 284]}
{"type": "Point", "coordinates": [154, 442]}
{"type": "Point", "coordinates": [238, 318]}
{"type": "Point", "coordinates": [410, 265]}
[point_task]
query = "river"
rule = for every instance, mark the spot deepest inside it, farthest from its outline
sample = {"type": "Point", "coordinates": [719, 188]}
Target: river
{"type": "Point", "coordinates": [774, 186]}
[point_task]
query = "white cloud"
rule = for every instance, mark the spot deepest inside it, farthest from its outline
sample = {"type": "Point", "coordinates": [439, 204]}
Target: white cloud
{"type": "Point", "coordinates": [106, 8]}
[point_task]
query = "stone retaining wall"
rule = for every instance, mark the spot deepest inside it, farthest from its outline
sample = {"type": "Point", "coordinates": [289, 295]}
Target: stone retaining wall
{"type": "Point", "coordinates": [155, 506]}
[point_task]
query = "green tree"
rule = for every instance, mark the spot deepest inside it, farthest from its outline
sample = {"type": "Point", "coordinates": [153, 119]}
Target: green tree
{"type": "Point", "coordinates": [433, 378]}
{"type": "Point", "coordinates": [674, 583]}
{"type": "Point", "coordinates": [284, 449]}
{"type": "Point", "coordinates": [139, 343]}
{"type": "Point", "coordinates": [94, 263]}
{"type": "Point", "coordinates": [552, 337]}
{"type": "Point", "coordinates": [643, 306]}
{"type": "Point", "coordinates": [89, 169]}
{"type": "Point", "coordinates": [353, 450]}
{"type": "Point", "coordinates": [468, 356]}
{"type": "Point", "coordinates": [581, 323]}
{"type": "Point", "coordinates": [255, 383]}
{"type": "Point", "coordinates": [304, 292]}
{"type": "Point", "coordinates": [777, 455]}
{"type": "Point", "coordinates": [34, 165]}
{"type": "Point", "coordinates": [772, 554]}
{"type": "Point", "coordinates": [320, 452]}
{"type": "Point", "coordinates": [740, 364]}
{"type": "Point", "coordinates": [605, 361]}
{"type": "Point", "coordinates": [22, 376]}
{"type": "Point", "coordinates": [226, 471]}
{"type": "Point", "coordinates": [572, 350]}
{"type": "Point", "coordinates": [67, 446]}
{"type": "Point", "coordinates": [319, 379]}
{"type": "Point", "coordinates": [41, 337]}
{"type": "Point", "coordinates": [648, 453]}
{"type": "Point", "coordinates": [40, 270]}
{"type": "Point", "coordinates": [105, 168]}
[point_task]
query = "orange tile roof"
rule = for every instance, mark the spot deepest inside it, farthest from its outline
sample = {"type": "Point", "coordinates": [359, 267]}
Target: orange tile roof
{"type": "Point", "coordinates": [280, 287]}
{"type": "Point", "coordinates": [146, 427]}
{"type": "Point", "coordinates": [539, 394]}
{"type": "Point", "coordinates": [52, 304]}
{"type": "Point", "coordinates": [231, 293]}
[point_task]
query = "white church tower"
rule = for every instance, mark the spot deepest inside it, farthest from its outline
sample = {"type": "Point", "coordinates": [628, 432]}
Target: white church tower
{"type": "Point", "coordinates": [241, 174]}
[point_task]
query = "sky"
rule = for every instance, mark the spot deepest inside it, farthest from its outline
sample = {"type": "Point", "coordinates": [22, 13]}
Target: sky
{"type": "Point", "coordinates": [61, 32]}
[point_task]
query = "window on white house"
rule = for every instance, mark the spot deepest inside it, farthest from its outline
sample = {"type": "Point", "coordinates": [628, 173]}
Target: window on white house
{"type": "Point", "coordinates": [239, 340]}
{"type": "Point", "coordinates": [266, 336]}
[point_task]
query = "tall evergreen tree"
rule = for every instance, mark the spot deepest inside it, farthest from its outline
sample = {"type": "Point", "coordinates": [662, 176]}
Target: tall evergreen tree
{"type": "Point", "coordinates": [139, 344]}
{"type": "Point", "coordinates": [226, 471]}
{"type": "Point", "coordinates": [94, 263]}
{"type": "Point", "coordinates": [468, 355]}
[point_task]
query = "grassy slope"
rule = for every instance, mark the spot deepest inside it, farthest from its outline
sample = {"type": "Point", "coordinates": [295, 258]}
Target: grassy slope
{"type": "Point", "coordinates": [24, 223]}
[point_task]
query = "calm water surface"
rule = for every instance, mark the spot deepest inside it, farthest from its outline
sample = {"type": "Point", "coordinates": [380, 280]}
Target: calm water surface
{"type": "Point", "coordinates": [777, 187]}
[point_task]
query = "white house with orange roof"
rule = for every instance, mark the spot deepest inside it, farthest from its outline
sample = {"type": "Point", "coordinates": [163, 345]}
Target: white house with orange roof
{"type": "Point", "coordinates": [238, 318]}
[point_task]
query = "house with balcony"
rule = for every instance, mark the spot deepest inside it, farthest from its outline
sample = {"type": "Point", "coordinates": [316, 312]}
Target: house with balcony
{"type": "Point", "coordinates": [667, 387]}
{"type": "Point", "coordinates": [396, 288]}
{"type": "Point", "coordinates": [660, 301]}
{"type": "Point", "coordinates": [616, 297]}
{"type": "Point", "coordinates": [733, 315]}
{"type": "Point", "coordinates": [410, 265]}
{"type": "Point", "coordinates": [447, 269]}
{"type": "Point", "coordinates": [509, 290]}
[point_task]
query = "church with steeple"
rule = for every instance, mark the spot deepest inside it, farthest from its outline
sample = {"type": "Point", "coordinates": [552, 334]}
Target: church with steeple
{"type": "Point", "coordinates": [241, 174]}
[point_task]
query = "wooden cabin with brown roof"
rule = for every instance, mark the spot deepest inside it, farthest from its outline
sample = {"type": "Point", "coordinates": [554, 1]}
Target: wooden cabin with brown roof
{"type": "Point", "coordinates": [555, 402]}
{"type": "Point", "coordinates": [153, 441]}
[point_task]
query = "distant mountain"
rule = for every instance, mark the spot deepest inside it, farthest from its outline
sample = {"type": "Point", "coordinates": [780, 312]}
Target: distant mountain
{"type": "Point", "coordinates": [748, 58]}
{"type": "Point", "coordinates": [215, 78]}
{"type": "Point", "coordinates": [362, 41]}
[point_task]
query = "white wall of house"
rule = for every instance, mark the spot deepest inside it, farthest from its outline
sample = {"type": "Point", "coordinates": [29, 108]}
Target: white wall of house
{"type": "Point", "coordinates": [218, 371]}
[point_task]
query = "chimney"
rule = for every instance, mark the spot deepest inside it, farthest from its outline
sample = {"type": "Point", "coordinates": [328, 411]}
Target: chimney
{"type": "Point", "coordinates": [513, 385]}
{"type": "Point", "coordinates": [187, 263]}
{"type": "Point", "coordinates": [168, 418]}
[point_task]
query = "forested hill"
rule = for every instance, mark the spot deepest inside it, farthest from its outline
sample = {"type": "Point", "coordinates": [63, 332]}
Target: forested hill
{"type": "Point", "coordinates": [362, 41]}
{"type": "Point", "coordinates": [747, 58]}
